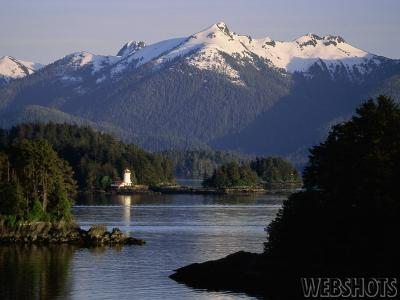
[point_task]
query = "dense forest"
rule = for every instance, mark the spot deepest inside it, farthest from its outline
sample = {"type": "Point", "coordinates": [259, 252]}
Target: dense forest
{"type": "Point", "coordinates": [232, 175]}
{"type": "Point", "coordinates": [274, 169]}
{"type": "Point", "coordinates": [347, 218]}
{"type": "Point", "coordinates": [96, 158]}
{"type": "Point", "coordinates": [200, 163]}
{"type": "Point", "coordinates": [35, 183]}
{"type": "Point", "coordinates": [266, 171]}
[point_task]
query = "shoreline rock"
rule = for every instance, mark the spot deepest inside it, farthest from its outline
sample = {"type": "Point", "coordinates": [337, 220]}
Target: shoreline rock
{"type": "Point", "coordinates": [228, 273]}
{"type": "Point", "coordinates": [242, 272]}
{"type": "Point", "coordinates": [265, 276]}
{"type": "Point", "coordinates": [62, 233]}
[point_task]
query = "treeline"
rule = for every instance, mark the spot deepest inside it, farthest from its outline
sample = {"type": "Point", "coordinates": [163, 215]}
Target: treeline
{"type": "Point", "coordinates": [275, 169]}
{"type": "Point", "coordinates": [347, 219]}
{"type": "Point", "coordinates": [35, 183]}
{"type": "Point", "coordinates": [232, 174]}
{"type": "Point", "coordinates": [261, 171]}
{"type": "Point", "coordinates": [200, 163]}
{"type": "Point", "coordinates": [96, 158]}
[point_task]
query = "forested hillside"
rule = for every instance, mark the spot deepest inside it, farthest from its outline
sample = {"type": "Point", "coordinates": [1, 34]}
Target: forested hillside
{"type": "Point", "coordinates": [316, 101]}
{"type": "Point", "coordinates": [214, 89]}
{"type": "Point", "coordinates": [269, 172]}
{"type": "Point", "coordinates": [177, 107]}
{"type": "Point", "coordinates": [96, 158]}
{"type": "Point", "coordinates": [200, 163]}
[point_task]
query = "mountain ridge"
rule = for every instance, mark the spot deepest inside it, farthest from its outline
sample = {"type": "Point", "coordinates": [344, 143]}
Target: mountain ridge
{"type": "Point", "coordinates": [214, 88]}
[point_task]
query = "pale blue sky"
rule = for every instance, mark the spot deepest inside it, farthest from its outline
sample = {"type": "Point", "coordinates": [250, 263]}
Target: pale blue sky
{"type": "Point", "coordinates": [45, 30]}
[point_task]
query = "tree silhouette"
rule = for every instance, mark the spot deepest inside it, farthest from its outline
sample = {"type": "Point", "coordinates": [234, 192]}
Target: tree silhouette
{"type": "Point", "coordinates": [349, 213]}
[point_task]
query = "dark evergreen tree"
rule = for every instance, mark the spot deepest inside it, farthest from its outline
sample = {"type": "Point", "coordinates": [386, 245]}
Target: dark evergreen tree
{"type": "Point", "coordinates": [274, 169]}
{"type": "Point", "coordinates": [348, 218]}
{"type": "Point", "coordinates": [35, 184]}
{"type": "Point", "coordinates": [232, 175]}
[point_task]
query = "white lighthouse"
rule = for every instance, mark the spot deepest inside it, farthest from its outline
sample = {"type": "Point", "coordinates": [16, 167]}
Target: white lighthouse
{"type": "Point", "coordinates": [127, 178]}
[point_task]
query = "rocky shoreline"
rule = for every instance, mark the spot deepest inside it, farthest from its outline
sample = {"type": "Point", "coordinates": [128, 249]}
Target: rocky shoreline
{"type": "Point", "coordinates": [239, 271]}
{"type": "Point", "coordinates": [62, 233]}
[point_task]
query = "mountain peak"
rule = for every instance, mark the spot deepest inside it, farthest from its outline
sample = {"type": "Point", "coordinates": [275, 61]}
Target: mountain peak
{"type": "Point", "coordinates": [221, 25]}
{"type": "Point", "coordinates": [218, 27]}
{"type": "Point", "coordinates": [131, 47]}
{"type": "Point", "coordinates": [11, 68]}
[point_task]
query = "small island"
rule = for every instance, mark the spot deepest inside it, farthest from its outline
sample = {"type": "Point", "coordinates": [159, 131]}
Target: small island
{"type": "Point", "coordinates": [271, 175]}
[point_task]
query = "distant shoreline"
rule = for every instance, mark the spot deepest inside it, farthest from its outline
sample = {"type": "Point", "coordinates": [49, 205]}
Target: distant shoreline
{"type": "Point", "coordinates": [184, 189]}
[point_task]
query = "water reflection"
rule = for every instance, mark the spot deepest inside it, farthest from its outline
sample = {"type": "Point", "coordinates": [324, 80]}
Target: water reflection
{"type": "Point", "coordinates": [126, 201]}
{"type": "Point", "coordinates": [179, 199]}
{"type": "Point", "coordinates": [178, 229]}
{"type": "Point", "coordinates": [31, 272]}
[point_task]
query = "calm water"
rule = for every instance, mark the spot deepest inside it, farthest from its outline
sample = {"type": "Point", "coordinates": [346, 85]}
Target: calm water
{"type": "Point", "coordinates": [178, 229]}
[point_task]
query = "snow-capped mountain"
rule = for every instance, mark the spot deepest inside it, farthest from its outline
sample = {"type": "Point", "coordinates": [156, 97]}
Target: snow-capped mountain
{"type": "Point", "coordinates": [209, 48]}
{"type": "Point", "coordinates": [214, 88]}
{"type": "Point", "coordinates": [11, 68]}
{"type": "Point", "coordinates": [206, 48]}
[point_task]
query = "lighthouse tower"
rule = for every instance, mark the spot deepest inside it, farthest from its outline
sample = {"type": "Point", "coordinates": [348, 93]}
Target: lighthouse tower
{"type": "Point", "coordinates": [127, 178]}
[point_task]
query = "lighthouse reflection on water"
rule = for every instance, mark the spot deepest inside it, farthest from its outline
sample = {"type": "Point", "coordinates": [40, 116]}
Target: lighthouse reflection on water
{"type": "Point", "coordinates": [126, 201]}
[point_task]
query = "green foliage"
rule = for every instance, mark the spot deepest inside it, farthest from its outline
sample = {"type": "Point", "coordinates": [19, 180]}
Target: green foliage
{"type": "Point", "coordinates": [105, 182]}
{"type": "Point", "coordinates": [250, 173]}
{"type": "Point", "coordinates": [35, 184]}
{"type": "Point", "coordinates": [12, 200]}
{"type": "Point", "coordinates": [92, 155]}
{"type": "Point", "coordinates": [232, 175]}
{"type": "Point", "coordinates": [36, 213]}
{"type": "Point", "coordinates": [9, 220]}
{"type": "Point", "coordinates": [61, 210]}
{"type": "Point", "coordinates": [196, 163]}
{"type": "Point", "coordinates": [360, 158]}
{"type": "Point", "coordinates": [349, 213]}
{"type": "Point", "coordinates": [274, 169]}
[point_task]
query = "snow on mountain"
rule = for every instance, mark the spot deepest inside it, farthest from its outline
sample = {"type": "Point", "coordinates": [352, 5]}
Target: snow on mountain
{"type": "Point", "coordinates": [68, 66]}
{"type": "Point", "coordinates": [203, 50]}
{"type": "Point", "coordinates": [300, 54]}
{"type": "Point", "coordinates": [96, 62]}
{"type": "Point", "coordinates": [145, 54]}
{"type": "Point", "coordinates": [11, 68]}
{"type": "Point", "coordinates": [130, 48]}
{"type": "Point", "coordinates": [206, 49]}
